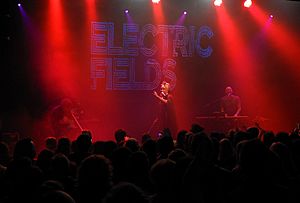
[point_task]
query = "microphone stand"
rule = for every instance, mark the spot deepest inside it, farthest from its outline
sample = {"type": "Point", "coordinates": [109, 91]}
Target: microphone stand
{"type": "Point", "coordinates": [76, 121]}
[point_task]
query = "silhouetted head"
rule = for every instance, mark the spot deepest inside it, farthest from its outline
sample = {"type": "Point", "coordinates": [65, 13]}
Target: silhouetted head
{"type": "Point", "coordinates": [240, 136]}
{"type": "Point", "coordinates": [4, 154]}
{"type": "Point", "coordinates": [162, 175]}
{"type": "Point", "coordinates": [108, 148]}
{"type": "Point", "coordinates": [132, 144]}
{"type": "Point", "coordinates": [120, 135]}
{"type": "Point", "coordinates": [44, 160]}
{"type": "Point", "coordinates": [126, 192]}
{"type": "Point", "coordinates": [146, 137]}
{"type": "Point", "coordinates": [94, 178]}
{"type": "Point", "coordinates": [24, 179]}
{"type": "Point", "coordinates": [83, 142]}
{"type": "Point", "coordinates": [60, 165]}
{"type": "Point", "coordinates": [98, 147]}
{"type": "Point", "coordinates": [138, 165]}
{"type": "Point", "coordinates": [149, 147]}
{"type": "Point", "coordinates": [226, 149]}
{"type": "Point", "coordinates": [196, 128]}
{"type": "Point", "coordinates": [253, 132]}
{"type": "Point", "coordinates": [64, 146]}
{"type": "Point", "coordinates": [25, 148]}
{"type": "Point", "coordinates": [56, 196]}
{"type": "Point", "coordinates": [281, 150]}
{"type": "Point", "coordinates": [284, 138]}
{"type": "Point", "coordinates": [267, 138]}
{"type": "Point", "coordinates": [177, 154]}
{"type": "Point", "coordinates": [51, 143]}
{"type": "Point", "coordinates": [120, 159]}
{"type": "Point", "coordinates": [181, 136]}
{"type": "Point", "coordinates": [253, 157]}
{"type": "Point", "coordinates": [165, 145]}
{"type": "Point", "coordinates": [51, 185]}
{"type": "Point", "coordinates": [203, 148]}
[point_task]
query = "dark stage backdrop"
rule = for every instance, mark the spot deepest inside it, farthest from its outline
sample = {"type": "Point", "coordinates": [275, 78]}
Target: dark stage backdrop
{"type": "Point", "coordinates": [109, 62]}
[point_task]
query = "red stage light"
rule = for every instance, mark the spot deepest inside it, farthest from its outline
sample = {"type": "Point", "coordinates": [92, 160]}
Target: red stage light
{"type": "Point", "coordinates": [155, 1]}
{"type": "Point", "coordinates": [247, 3]}
{"type": "Point", "coordinates": [218, 2]}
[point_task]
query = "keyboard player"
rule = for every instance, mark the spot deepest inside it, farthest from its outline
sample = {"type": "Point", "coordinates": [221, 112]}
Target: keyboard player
{"type": "Point", "coordinates": [230, 103]}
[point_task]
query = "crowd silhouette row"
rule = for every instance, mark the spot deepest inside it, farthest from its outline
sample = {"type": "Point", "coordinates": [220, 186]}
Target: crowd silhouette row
{"type": "Point", "coordinates": [250, 165]}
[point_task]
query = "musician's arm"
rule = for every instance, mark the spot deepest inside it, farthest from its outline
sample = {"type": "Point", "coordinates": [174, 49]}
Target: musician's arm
{"type": "Point", "coordinates": [239, 107]}
{"type": "Point", "coordinates": [222, 108]}
{"type": "Point", "coordinates": [160, 98]}
{"type": "Point", "coordinates": [238, 112]}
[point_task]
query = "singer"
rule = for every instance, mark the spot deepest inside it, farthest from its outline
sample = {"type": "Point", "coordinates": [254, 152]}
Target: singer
{"type": "Point", "coordinates": [166, 118]}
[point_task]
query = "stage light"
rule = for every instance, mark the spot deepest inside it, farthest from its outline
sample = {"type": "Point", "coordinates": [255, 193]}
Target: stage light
{"type": "Point", "coordinates": [184, 12]}
{"type": "Point", "coordinates": [19, 4]}
{"type": "Point", "coordinates": [126, 11]}
{"type": "Point", "coordinates": [247, 3]}
{"type": "Point", "coordinates": [155, 1]}
{"type": "Point", "coordinates": [218, 2]}
{"type": "Point", "coordinates": [271, 16]}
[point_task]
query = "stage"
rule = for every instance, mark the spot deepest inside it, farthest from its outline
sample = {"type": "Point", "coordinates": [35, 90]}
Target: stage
{"type": "Point", "coordinates": [108, 57]}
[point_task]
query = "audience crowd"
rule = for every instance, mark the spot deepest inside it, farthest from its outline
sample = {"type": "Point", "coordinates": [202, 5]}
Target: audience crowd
{"type": "Point", "coordinates": [250, 165]}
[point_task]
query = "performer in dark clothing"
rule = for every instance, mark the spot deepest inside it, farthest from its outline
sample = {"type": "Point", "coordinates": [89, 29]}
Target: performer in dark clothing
{"type": "Point", "coordinates": [167, 118]}
{"type": "Point", "coordinates": [230, 103]}
{"type": "Point", "coordinates": [63, 120]}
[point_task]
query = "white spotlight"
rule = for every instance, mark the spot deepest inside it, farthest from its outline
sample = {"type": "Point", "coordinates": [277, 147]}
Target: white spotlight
{"type": "Point", "coordinates": [248, 3]}
{"type": "Point", "coordinates": [218, 2]}
{"type": "Point", "coordinates": [155, 1]}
